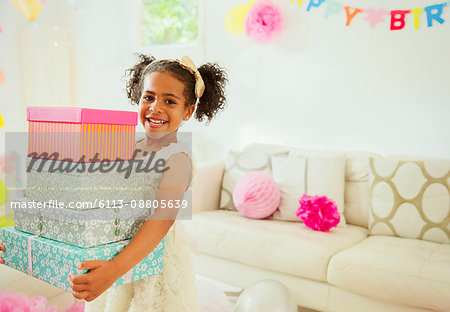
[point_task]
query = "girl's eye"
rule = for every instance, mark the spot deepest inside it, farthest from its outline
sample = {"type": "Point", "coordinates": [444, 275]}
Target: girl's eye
{"type": "Point", "coordinates": [149, 98]}
{"type": "Point", "coordinates": [171, 102]}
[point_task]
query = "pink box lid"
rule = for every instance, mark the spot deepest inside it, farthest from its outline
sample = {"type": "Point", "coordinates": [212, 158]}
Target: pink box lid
{"type": "Point", "coordinates": [81, 115]}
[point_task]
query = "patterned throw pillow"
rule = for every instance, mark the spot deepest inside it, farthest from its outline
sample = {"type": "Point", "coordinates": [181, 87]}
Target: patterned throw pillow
{"type": "Point", "coordinates": [239, 163]}
{"type": "Point", "coordinates": [410, 198]}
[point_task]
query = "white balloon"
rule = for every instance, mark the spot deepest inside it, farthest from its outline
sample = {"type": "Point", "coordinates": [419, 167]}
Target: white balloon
{"type": "Point", "coordinates": [266, 296]}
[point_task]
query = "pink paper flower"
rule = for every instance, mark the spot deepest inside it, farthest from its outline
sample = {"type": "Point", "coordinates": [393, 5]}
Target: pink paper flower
{"type": "Point", "coordinates": [318, 212]}
{"type": "Point", "coordinates": [76, 307]}
{"type": "Point", "coordinates": [263, 21]}
{"type": "Point", "coordinates": [18, 302]}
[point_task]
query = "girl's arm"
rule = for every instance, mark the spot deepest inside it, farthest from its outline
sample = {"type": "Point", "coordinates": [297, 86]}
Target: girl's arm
{"type": "Point", "coordinates": [173, 185]}
{"type": "Point", "coordinates": [103, 274]}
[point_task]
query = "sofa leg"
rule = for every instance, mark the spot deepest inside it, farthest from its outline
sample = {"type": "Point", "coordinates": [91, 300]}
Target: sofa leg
{"type": "Point", "coordinates": [233, 293]}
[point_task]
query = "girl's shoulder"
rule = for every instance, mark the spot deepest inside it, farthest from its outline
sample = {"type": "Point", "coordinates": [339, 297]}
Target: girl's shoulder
{"type": "Point", "coordinates": [174, 148]}
{"type": "Point", "coordinates": [171, 149]}
{"type": "Point", "coordinates": [178, 149]}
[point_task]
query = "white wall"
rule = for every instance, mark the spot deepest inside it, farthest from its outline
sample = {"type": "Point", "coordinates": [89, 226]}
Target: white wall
{"type": "Point", "coordinates": [325, 85]}
{"type": "Point", "coordinates": [102, 47]}
{"type": "Point", "coordinates": [320, 84]}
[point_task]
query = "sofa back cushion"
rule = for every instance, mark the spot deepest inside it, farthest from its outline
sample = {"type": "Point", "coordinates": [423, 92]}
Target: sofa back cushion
{"type": "Point", "coordinates": [410, 198]}
{"type": "Point", "coordinates": [289, 174]}
{"type": "Point", "coordinates": [357, 187]}
{"type": "Point", "coordinates": [321, 173]}
{"type": "Point", "coordinates": [238, 163]}
{"type": "Point", "coordinates": [257, 157]}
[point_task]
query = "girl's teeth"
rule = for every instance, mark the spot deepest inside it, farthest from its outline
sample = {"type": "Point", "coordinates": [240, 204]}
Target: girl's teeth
{"type": "Point", "coordinates": [158, 122]}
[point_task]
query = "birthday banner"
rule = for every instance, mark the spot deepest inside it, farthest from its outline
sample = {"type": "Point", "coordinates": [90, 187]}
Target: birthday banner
{"type": "Point", "coordinates": [375, 16]}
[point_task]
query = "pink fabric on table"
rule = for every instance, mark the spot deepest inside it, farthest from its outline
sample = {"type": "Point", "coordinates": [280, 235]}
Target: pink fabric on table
{"type": "Point", "coordinates": [16, 302]}
{"type": "Point", "coordinates": [76, 307]}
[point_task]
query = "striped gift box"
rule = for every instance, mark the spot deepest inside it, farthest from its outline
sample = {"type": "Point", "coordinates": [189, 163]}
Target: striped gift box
{"type": "Point", "coordinates": [79, 134]}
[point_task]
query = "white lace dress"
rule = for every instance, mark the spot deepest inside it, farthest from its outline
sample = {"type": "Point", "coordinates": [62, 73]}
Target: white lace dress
{"type": "Point", "coordinates": [172, 290]}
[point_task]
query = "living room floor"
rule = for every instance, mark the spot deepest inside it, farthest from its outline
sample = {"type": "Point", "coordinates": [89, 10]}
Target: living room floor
{"type": "Point", "coordinates": [233, 293]}
{"type": "Point", "coordinates": [17, 281]}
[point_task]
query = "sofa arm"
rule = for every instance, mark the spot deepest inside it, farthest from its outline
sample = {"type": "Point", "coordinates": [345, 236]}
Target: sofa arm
{"type": "Point", "coordinates": [206, 187]}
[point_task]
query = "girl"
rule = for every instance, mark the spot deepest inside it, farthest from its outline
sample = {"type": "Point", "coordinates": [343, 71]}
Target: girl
{"type": "Point", "coordinates": [168, 93]}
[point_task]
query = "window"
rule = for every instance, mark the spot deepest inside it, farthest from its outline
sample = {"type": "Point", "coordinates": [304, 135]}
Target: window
{"type": "Point", "coordinates": [169, 22]}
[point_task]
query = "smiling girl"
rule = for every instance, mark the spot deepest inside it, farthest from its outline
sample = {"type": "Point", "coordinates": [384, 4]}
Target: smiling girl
{"type": "Point", "coordinates": [168, 92]}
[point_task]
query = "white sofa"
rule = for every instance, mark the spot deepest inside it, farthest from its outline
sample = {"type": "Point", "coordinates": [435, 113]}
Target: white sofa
{"type": "Point", "coordinates": [344, 270]}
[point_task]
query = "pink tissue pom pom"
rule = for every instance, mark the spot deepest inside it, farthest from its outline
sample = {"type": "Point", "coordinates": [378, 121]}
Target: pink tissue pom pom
{"type": "Point", "coordinates": [263, 21]}
{"type": "Point", "coordinates": [18, 302]}
{"type": "Point", "coordinates": [76, 307]}
{"type": "Point", "coordinates": [318, 212]}
{"type": "Point", "coordinates": [256, 195]}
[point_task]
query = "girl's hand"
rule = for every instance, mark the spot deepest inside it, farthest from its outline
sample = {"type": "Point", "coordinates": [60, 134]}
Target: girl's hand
{"type": "Point", "coordinates": [90, 285]}
{"type": "Point", "coordinates": [2, 248]}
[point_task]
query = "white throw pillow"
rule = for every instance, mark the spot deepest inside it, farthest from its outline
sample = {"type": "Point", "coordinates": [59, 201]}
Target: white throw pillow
{"type": "Point", "coordinates": [289, 173]}
{"type": "Point", "coordinates": [321, 175]}
{"type": "Point", "coordinates": [410, 198]}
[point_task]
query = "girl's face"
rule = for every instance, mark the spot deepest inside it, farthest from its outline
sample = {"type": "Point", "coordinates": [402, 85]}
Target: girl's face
{"type": "Point", "coordinates": [162, 106]}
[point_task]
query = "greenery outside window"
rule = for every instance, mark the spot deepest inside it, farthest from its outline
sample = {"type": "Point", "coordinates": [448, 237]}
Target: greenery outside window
{"type": "Point", "coordinates": [169, 22]}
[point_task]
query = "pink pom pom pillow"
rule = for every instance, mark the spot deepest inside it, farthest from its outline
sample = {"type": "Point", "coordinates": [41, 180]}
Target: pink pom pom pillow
{"type": "Point", "coordinates": [256, 195]}
{"type": "Point", "coordinates": [319, 213]}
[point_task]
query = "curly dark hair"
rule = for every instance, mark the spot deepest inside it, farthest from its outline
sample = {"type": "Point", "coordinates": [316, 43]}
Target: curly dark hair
{"type": "Point", "coordinates": [214, 77]}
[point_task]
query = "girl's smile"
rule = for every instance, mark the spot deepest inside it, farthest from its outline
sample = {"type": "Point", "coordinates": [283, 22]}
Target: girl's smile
{"type": "Point", "coordinates": [155, 122]}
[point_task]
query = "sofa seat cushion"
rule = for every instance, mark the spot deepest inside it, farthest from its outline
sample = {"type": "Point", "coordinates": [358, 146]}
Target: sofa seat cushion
{"type": "Point", "coordinates": [410, 272]}
{"type": "Point", "coordinates": [282, 246]}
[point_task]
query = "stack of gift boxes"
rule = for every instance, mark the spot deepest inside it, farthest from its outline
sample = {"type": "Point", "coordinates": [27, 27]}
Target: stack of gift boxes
{"type": "Point", "coordinates": [76, 209]}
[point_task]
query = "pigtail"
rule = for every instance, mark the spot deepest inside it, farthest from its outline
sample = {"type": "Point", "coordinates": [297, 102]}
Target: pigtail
{"type": "Point", "coordinates": [134, 78]}
{"type": "Point", "coordinates": [213, 98]}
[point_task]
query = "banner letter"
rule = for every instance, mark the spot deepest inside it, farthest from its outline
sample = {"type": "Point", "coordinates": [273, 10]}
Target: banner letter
{"type": "Point", "coordinates": [416, 13]}
{"type": "Point", "coordinates": [314, 3]}
{"type": "Point", "coordinates": [398, 19]}
{"type": "Point", "coordinates": [437, 15]}
{"type": "Point", "coordinates": [351, 15]}
{"type": "Point", "coordinates": [299, 2]}
{"type": "Point", "coordinates": [332, 8]}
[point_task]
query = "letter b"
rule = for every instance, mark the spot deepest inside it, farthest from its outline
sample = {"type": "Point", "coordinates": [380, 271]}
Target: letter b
{"type": "Point", "coordinates": [398, 19]}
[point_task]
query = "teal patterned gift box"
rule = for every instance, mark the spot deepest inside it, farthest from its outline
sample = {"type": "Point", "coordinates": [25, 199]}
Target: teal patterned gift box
{"type": "Point", "coordinates": [52, 261]}
{"type": "Point", "coordinates": [82, 228]}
